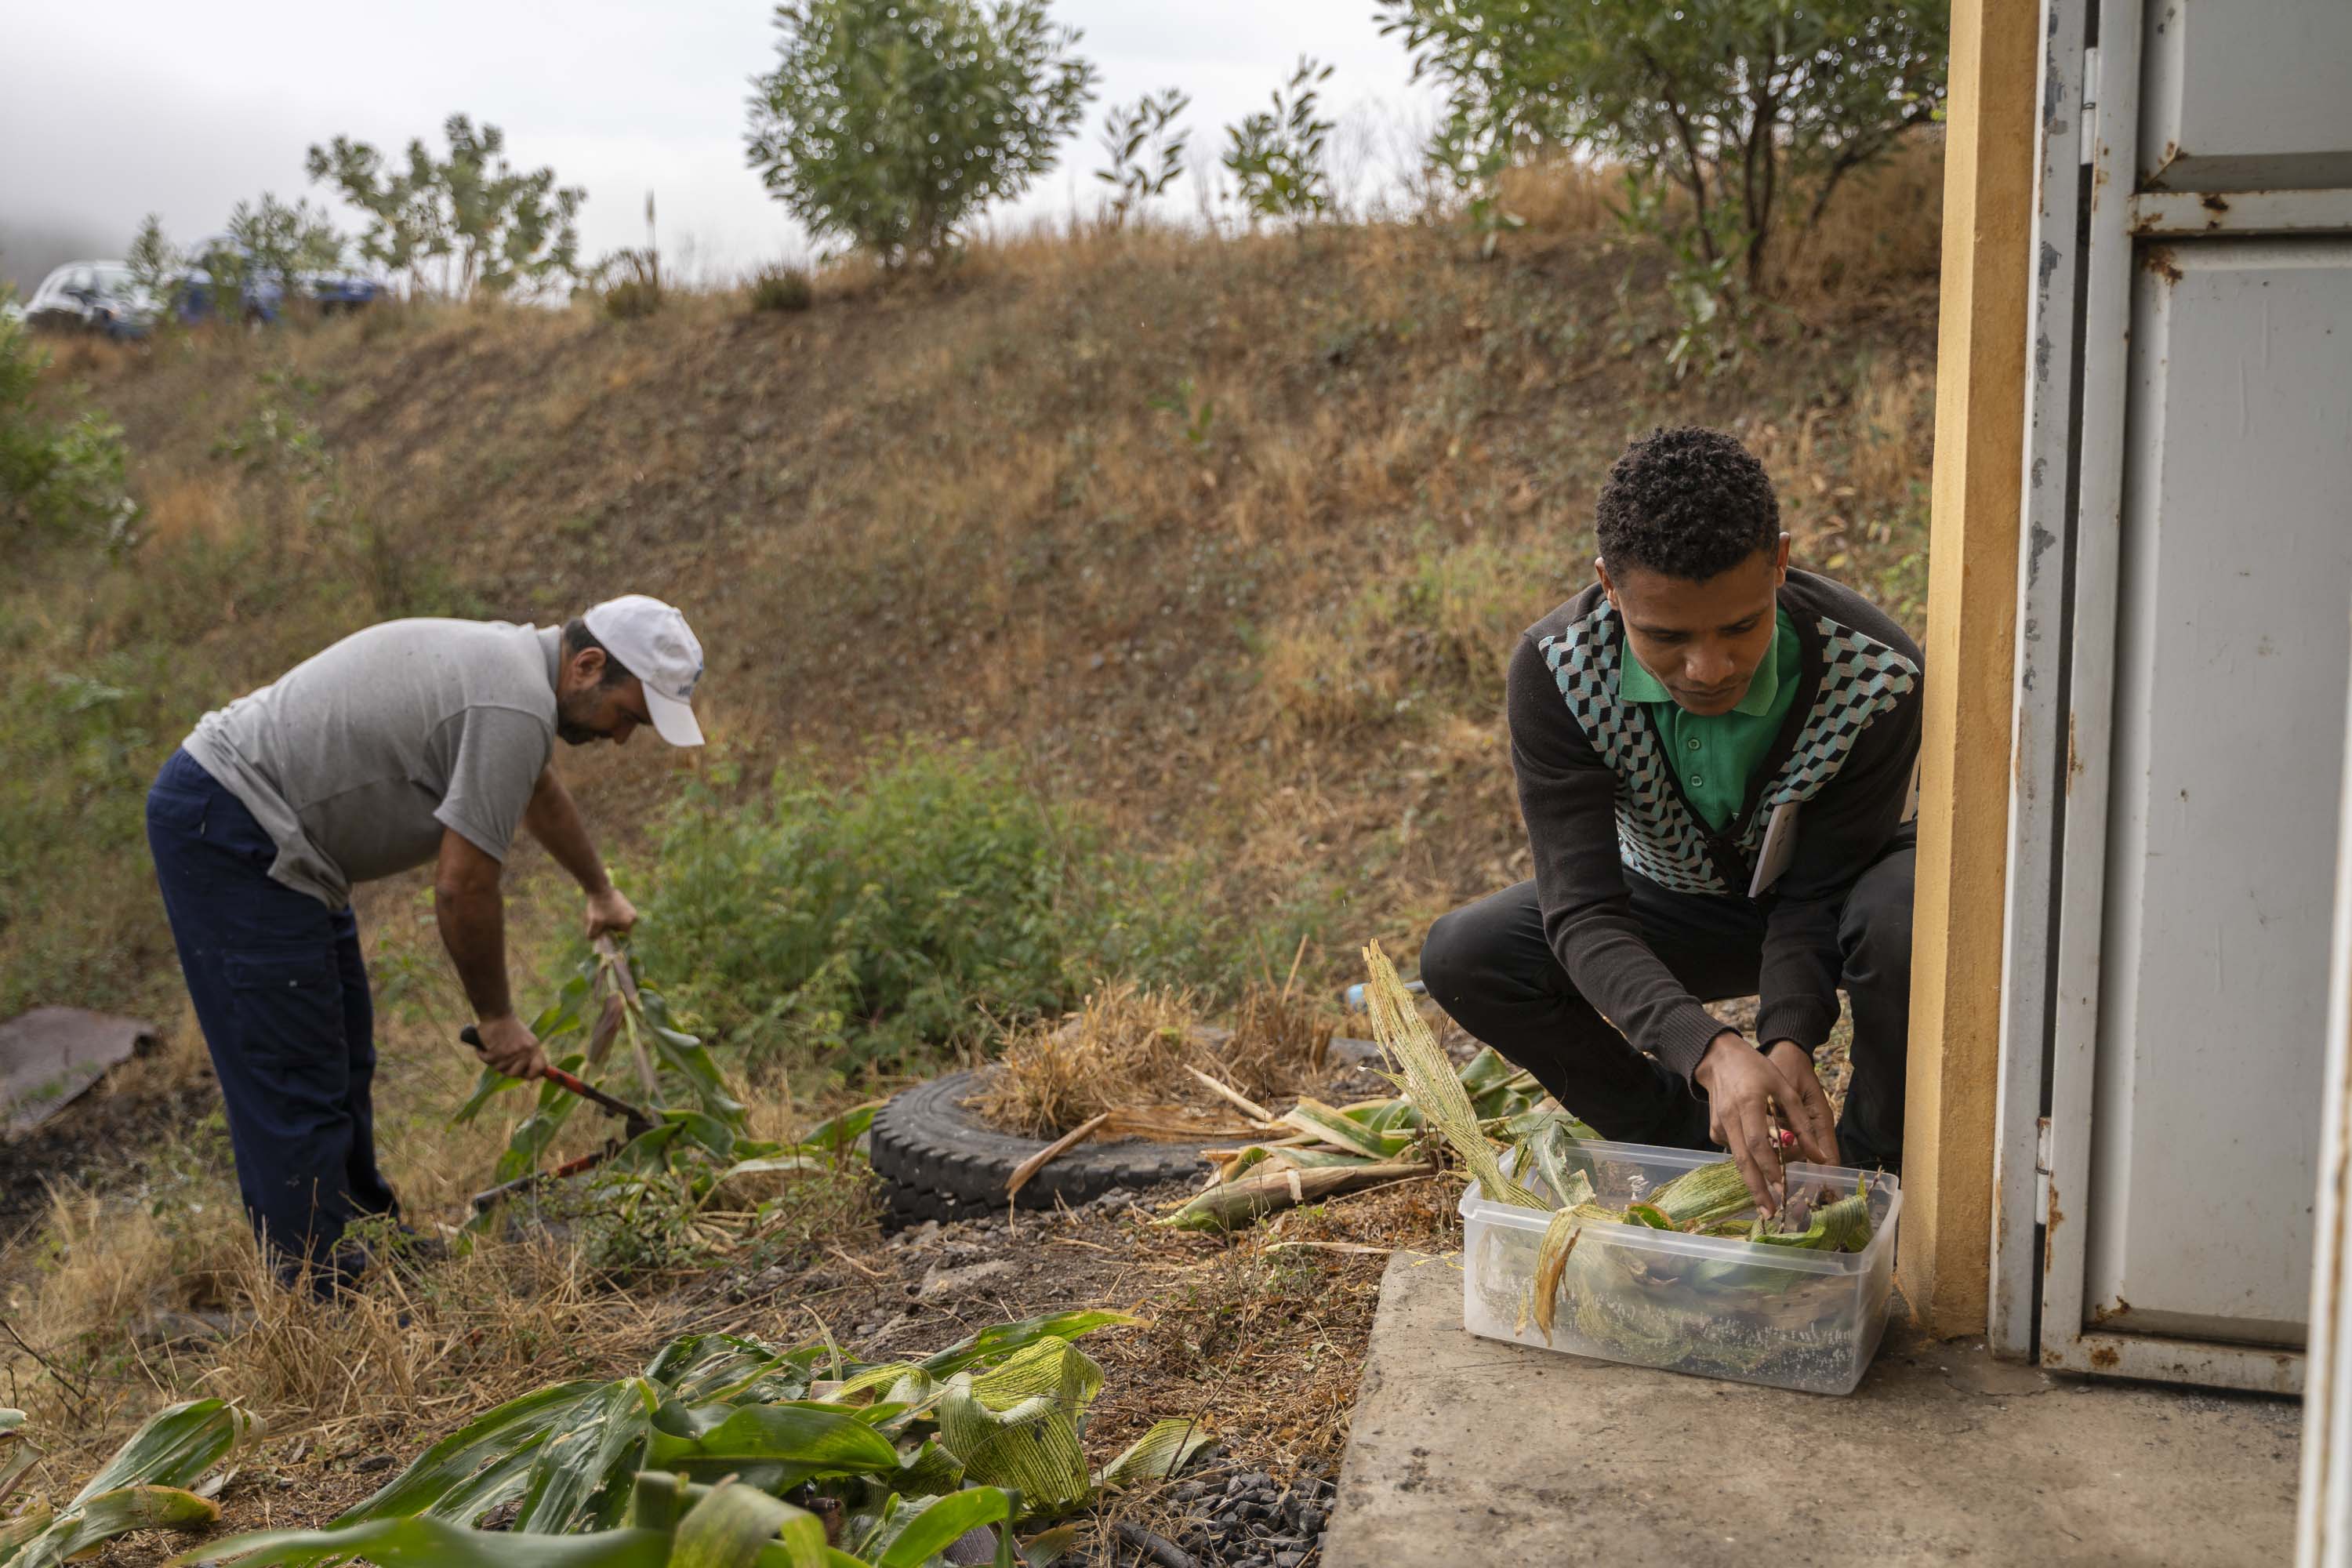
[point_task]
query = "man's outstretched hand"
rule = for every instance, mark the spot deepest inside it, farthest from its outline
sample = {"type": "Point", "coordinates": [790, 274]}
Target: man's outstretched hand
{"type": "Point", "coordinates": [1747, 1092]}
{"type": "Point", "coordinates": [610, 910]}
{"type": "Point", "coordinates": [507, 1045]}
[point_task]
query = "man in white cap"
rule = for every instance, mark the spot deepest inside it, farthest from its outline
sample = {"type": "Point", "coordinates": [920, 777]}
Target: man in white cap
{"type": "Point", "coordinates": [410, 742]}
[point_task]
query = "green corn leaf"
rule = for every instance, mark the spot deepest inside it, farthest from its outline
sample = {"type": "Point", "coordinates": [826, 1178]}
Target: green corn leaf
{"type": "Point", "coordinates": [945, 1521]}
{"type": "Point", "coordinates": [1052, 1366]}
{"type": "Point", "coordinates": [1032, 1449]}
{"type": "Point", "coordinates": [93, 1521]}
{"type": "Point", "coordinates": [16, 1452]}
{"type": "Point", "coordinates": [699, 1367]}
{"type": "Point", "coordinates": [841, 1131]}
{"type": "Point", "coordinates": [816, 1441]}
{"type": "Point", "coordinates": [932, 1471]}
{"type": "Point", "coordinates": [1004, 1338]}
{"type": "Point", "coordinates": [592, 1452]}
{"type": "Point", "coordinates": [1159, 1454]}
{"type": "Point", "coordinates": [174, 1448]}
{"type": "Point", "coordinates": [534, 1134]}
{"type": "Point", "coordinates": [495, 1435]}
{"type": "Point", "coordinates": [1319, 1121]}
{"type": "Point", "coordinates": [27, 1526]}
{"type": "Point", "coordinates": [433, 1543]}
{"type": "Point", "coordinates": [733, 1525]}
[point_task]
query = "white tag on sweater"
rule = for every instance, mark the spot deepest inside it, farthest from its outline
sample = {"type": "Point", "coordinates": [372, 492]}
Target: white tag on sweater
{"type": "Point", "coordinates": [1779, 847]}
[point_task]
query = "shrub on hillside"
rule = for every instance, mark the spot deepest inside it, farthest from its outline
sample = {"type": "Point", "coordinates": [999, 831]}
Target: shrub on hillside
{"type": "Point", "coordinates": [939, 897]}
{"type": "Point", "coordinates": [782, 289]}
{"type": "Point", "coordinates": [65, 477]}
{"type": "Point", "coordinates": [891, 124]}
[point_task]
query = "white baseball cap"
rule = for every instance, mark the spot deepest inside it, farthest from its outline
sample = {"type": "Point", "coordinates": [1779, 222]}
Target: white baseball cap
{"type": "Point", "coordinates": [652, 642]}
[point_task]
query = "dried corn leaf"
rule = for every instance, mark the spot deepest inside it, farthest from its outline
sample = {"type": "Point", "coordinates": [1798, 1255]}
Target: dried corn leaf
{"type": "Point", "coordinates": [1424, 1075]}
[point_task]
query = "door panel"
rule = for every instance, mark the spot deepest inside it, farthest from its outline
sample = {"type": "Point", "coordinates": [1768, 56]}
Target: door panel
{"type": "Point", "coordinates": [2230, 664]}
{"type": "Point", "coordinates": [2246, 95]}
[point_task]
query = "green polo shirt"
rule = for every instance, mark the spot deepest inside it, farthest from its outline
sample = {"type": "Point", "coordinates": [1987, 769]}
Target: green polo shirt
{"type": "Point", "coordinates": [1714, 753]}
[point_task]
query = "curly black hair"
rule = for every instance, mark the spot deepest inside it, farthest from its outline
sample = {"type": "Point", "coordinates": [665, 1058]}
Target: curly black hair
{"type": "Point", "coordinates": [1687, 502]}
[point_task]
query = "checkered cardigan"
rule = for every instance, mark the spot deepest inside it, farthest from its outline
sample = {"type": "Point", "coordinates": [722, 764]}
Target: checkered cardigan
{"type": "Point", "coordinates": [1592, 771]}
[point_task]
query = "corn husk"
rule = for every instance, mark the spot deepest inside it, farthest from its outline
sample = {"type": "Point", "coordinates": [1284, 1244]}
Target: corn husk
{"type": "Point", "coordinates": [1420, 1071]}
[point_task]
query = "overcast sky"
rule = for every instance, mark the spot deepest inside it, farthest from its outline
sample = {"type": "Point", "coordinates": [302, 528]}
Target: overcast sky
{"type": "Point", "coordinates": [110, 111]}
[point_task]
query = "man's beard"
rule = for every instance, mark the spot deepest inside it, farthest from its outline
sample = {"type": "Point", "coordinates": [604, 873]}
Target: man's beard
{"type": "Point", "coordinates": [576, 735]}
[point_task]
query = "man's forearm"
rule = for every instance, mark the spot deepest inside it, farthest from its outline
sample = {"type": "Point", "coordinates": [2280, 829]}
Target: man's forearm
{"type": "Point", "coordinates": [554, 821]}
{"type": "Point", "coordinates": [473, 923]}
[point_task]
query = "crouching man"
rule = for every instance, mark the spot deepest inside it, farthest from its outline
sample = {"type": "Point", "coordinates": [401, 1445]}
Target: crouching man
{"type": "Point", "coordinates": [410, 742]}
{"type": "Point", "coordinates": [1714, 755]}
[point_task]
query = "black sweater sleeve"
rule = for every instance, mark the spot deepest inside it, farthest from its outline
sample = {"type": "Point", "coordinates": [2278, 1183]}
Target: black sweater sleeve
{"type": "Point", "coordinates": [1568, 799]}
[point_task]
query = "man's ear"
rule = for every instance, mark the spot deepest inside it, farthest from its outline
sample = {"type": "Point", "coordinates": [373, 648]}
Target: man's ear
{"type": "Point", "coordinates": [588, 666]}
{"type": "Point", "coordinates": [1608, 589]}
{"type": "Point", "coordinates": [1780, 563]}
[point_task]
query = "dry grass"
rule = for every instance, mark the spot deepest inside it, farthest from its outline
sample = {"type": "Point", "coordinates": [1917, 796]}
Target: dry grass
{"type": "Point", "coordinates": [1129, 1048]}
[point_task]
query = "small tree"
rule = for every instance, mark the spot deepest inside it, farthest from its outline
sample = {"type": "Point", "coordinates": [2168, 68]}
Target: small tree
{"type": "Point", "coordinates": [279, 243]}
{"type": "Point", "coordinates": [891, 124]}
{"type": "Point", "coordinates": [1732, 101]}
{"type": "Point", "coordinates": [155, 263]}
{"type": "Point", "coordinates": [492, 227]}
{"type": "Point", "coordinates": [1276, 155]}
{"type": "Point", "coordinates": [1146, 155]}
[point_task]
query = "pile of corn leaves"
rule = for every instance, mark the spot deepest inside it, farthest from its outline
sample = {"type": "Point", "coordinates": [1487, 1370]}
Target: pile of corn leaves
{"type": "Point", "coordinates": [725, 1452]}
{"type": "Point", "coordinates": [1323, 1149]}
{"type": "Point", "coordinates": [1533, 1161]}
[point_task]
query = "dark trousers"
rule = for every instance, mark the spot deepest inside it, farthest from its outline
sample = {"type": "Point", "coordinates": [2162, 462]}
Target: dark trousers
{"type": "Point", "coordinates": [282, 995]}
{"type": "Point", "coordinates": [1489, 965]}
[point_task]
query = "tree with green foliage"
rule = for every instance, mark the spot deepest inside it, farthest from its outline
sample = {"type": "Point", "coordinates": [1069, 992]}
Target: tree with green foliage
{"type": "Point", "coordinates": [1744, 106]}
{"type": "Point", "coordinates": [1276, 156]}
{"type": "Point", "coordinates": [491, 226]}
{"type": "Point", "coordinates": [279, 243]}
{"type": "Point", "coordinates": [154, 261]}
{"type": "Point", "coordinates": [1146, 153]}
{"type": "Point", "coordinates": [892, 123]}
{"type": "Point", "coordinates": [64, 477]}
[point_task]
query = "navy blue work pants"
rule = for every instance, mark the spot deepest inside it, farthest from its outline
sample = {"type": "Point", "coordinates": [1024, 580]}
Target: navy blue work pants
{"type": "Point", "coordinates": [282, 995]}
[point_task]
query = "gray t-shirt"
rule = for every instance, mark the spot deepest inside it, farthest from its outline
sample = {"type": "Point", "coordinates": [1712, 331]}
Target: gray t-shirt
{"type": "Point", "coordinates": [355, 760]}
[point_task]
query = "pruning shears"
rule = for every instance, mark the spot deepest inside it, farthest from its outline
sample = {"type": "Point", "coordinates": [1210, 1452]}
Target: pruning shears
{"type": "Point", "coordinates": [635, 1123]}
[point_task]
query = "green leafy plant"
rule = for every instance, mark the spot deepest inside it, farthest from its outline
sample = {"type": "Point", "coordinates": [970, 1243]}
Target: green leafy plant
{"type": "Point", "coordinates": [64, 477]}
{"type": "Point", "coordinates": [1195, 416]}
{"type": "Point", "coordinates": [146, 1485]}
{"type": "Point", "coordinates": [155, 263]}
{"type": "Point", "coordinates": [1277, 156]}
{"type": "Point", "coordinates": [725, 1450]}
{"type": "Point", "coordinates": [487, 225]}
{"type": "Point", "coordinates": [892, 123]}
{"type": "Point", "coordinates": [1146, 155]}
{"type": "Point", "coordinates": [925, 905]}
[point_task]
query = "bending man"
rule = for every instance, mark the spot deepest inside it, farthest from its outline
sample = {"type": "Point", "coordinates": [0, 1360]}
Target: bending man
{"type": "Point", "coordinates": [413, 742]}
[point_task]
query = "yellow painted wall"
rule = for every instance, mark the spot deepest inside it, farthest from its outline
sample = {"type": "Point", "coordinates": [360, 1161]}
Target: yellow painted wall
{"type": "Point", "coordinates": [1944, 1257]}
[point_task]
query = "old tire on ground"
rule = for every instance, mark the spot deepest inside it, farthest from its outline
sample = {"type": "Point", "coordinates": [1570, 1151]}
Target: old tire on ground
{"type": "Point", "coordinates": [937, 1161]}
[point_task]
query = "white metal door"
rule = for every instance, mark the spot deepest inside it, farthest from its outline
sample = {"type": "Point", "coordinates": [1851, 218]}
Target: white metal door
{"type": "Point", "coordinates": [2182, 689]}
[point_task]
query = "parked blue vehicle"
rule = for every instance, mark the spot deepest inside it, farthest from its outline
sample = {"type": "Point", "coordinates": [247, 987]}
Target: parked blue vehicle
{"type": "Point", "coordinates": [265, 297]}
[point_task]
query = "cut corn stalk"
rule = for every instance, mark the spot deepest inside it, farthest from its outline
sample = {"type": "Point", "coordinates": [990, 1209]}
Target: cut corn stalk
{"type": "Point", "coordinates": [1240, 1203]}
{"type": "Point", "coordinates": [1341, 1131]}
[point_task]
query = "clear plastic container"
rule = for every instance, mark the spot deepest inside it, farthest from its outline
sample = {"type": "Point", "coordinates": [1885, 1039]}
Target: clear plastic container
{"type": "Point", "coordinates": [1713, 1306]}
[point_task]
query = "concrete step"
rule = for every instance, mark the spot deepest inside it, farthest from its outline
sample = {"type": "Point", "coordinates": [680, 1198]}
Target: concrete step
{"type": "Point", "coordinates": [1467, 1451]}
